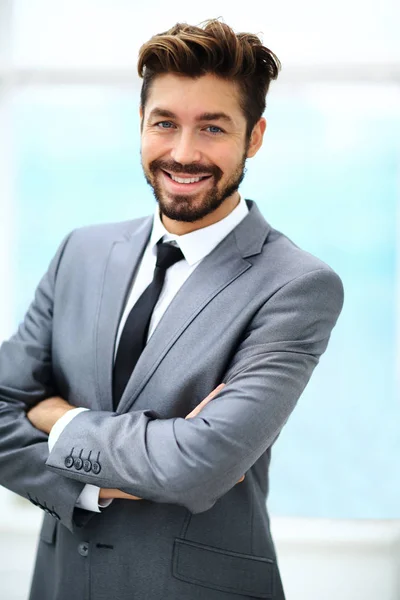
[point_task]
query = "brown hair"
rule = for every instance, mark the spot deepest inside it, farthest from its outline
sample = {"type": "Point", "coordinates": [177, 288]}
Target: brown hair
{"type": "Point", "coordinates": [212, 48]}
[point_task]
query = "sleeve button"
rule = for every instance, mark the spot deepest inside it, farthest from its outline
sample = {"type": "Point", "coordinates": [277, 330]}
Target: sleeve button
{"type": "Point", "coordinates": [69, 461]}
{"type": "Point", "coordinates": [78, 464]}
{"type": "Point", "coordinates": [96, 468]}
{"type": "Point", "coordinates": [87, 465]}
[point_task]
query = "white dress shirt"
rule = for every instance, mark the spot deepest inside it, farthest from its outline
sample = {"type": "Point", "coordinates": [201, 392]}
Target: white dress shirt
{"type": "Point", "coordinates": [195, 246]}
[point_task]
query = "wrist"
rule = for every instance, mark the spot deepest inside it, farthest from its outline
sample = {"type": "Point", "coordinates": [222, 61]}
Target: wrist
{"type": "Point", "coordinates": [55, 415]}
{"type": "Point", "coordinates": [112, 494]}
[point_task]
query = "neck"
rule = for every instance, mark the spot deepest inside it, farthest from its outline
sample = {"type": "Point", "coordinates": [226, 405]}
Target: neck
{"type": "Point", "coordinates": [182, 227]}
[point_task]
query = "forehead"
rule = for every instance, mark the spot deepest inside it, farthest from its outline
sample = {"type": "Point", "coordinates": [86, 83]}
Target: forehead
{"type": "Point", "coordinates": [189, 97]}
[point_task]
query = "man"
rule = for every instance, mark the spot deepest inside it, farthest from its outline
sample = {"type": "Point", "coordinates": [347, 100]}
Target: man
{"type": "Point", "coordinates": [161, 357]}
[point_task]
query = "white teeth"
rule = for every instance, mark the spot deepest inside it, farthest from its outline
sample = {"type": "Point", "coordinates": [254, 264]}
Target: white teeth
{"type": "Point", "coordinates": [188, 180]}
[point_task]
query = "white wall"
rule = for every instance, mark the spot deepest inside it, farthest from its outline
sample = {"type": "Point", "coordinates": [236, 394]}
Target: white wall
{"type": "Point", "coordinates": [301, 33]}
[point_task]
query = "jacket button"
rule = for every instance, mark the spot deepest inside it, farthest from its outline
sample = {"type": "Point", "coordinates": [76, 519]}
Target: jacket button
{"type": "Point", "coordinates": [78, 464]}
{"type": "Point", "coordinates": [83, 549]}
{"type": "Point", "coordinates": [87, 465]}
{"type": "Point", "coordinates": [96, 468]}
{"type": "Point", "coordinates": [69, 461]}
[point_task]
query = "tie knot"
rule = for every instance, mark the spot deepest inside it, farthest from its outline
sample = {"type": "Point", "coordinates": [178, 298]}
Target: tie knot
{"type": "Point", "coordinates": [168, 255]}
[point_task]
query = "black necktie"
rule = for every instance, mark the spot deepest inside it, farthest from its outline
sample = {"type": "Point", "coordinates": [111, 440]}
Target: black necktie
{"type": "Point", "coordinates": [134, 334]}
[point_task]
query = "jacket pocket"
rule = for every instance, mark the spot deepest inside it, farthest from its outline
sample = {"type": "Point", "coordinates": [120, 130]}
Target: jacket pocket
{"type": "Point", "coordinates": [48, 531]}
{"type": "Point", "coordinates": [223, 570]}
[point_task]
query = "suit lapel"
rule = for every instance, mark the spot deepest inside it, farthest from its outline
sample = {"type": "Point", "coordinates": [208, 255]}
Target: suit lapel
{"type": "Point", "coordinates": [120, 268]}
{"type": "Point", "coordinates": [222, 266]}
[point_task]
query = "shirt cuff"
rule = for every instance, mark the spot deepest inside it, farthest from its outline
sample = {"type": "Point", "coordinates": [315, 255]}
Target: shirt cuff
{"type": "Point", "coordinates": [89, 499]}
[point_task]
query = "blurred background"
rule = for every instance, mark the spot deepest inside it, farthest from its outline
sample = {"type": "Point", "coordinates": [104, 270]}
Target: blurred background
{"type": "Point", "coordinates": [328, 176]}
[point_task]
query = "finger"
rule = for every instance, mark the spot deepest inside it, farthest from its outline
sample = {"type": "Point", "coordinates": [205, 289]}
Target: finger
{"type": "Point", "coordinates": [202, 404]}
{"type": "Point", "coordinates": [241, 479]}
{"type": "Point", "coordinates": [210, 396]}
{"type": "Point", "coordinates": [214, 392]}
{"type": "Point", "coordinates": [194, 412]}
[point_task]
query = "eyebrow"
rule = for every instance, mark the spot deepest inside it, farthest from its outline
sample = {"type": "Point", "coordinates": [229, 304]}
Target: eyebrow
{"type": "Point", "coordinates": [206, 116]}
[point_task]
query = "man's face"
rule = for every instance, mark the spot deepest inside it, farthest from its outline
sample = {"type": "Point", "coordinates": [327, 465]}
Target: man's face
{"type": "Point", "coordinates": [193, 144]}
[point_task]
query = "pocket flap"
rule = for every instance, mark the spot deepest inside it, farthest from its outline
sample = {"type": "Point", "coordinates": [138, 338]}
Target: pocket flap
{"type": "Point", "coordinates": [223, 570]}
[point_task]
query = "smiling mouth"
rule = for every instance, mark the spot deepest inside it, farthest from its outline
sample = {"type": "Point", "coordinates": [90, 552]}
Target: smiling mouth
{"type": "Point", "coordinates": [186, 179]}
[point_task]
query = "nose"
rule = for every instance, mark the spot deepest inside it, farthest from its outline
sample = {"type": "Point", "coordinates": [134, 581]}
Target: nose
{"type": "Point", "coordinates": [185, 149]}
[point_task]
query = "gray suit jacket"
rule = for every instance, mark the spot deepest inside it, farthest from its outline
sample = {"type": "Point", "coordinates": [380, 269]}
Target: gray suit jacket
{"type": "Point", "coordinates": [256, 314]}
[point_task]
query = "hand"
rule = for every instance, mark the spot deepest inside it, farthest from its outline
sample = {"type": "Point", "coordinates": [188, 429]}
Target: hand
{"type": "Point", "coordinates": [112, 494]}
{"type": "Point", "coordinates": [206, 400]}
{"type": "Point", "coordinates": [45, 414]}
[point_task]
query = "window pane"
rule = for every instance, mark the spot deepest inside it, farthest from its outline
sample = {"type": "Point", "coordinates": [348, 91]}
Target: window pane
{"type": "Point", "coordinates": [78, 162]}
{"type": "Point", "coordinates": [331, 166]}
{"type": "Point", "coordinates": [327, 176]}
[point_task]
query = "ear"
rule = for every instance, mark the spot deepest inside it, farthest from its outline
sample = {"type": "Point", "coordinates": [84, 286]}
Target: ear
{"type": "Point", "coordinates": [256, 138]}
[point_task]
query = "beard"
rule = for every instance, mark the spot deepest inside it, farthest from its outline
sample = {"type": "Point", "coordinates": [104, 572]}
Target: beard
{"type": "Point", "coordinates": [188, 208]}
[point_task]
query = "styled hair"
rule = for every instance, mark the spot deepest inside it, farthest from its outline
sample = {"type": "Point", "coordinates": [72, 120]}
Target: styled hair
{"type": "Point", "coordinates": [214, 48]}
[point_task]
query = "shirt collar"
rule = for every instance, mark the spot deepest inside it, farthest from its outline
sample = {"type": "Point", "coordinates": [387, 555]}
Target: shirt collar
{"type": "Point", "coordinates": [197, 244]}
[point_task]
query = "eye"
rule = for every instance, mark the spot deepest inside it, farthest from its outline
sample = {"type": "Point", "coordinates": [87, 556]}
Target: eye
{"type": "Point", "coordinates": [164, 125]}
{"type": "Point", "coordinates": [214, 129]}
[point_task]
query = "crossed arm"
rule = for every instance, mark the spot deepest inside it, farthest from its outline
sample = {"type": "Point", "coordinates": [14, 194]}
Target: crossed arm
{"type": "Point", "coordinates": [46, 413]}
{"type": "Point", "coordinates": [162, 460]}
{"type": "Point", "coordinates": [26, 382]}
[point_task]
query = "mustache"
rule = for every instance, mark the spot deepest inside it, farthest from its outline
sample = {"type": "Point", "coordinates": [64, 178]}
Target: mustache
{"type": "Point", "coordinates": [190, 169]}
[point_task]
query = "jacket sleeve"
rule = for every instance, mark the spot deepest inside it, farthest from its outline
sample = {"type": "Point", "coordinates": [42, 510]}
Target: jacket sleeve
{"type": "Point", "coordinates": [193, 462]}
{"type": "Point", "coordinates": [26, 379]}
